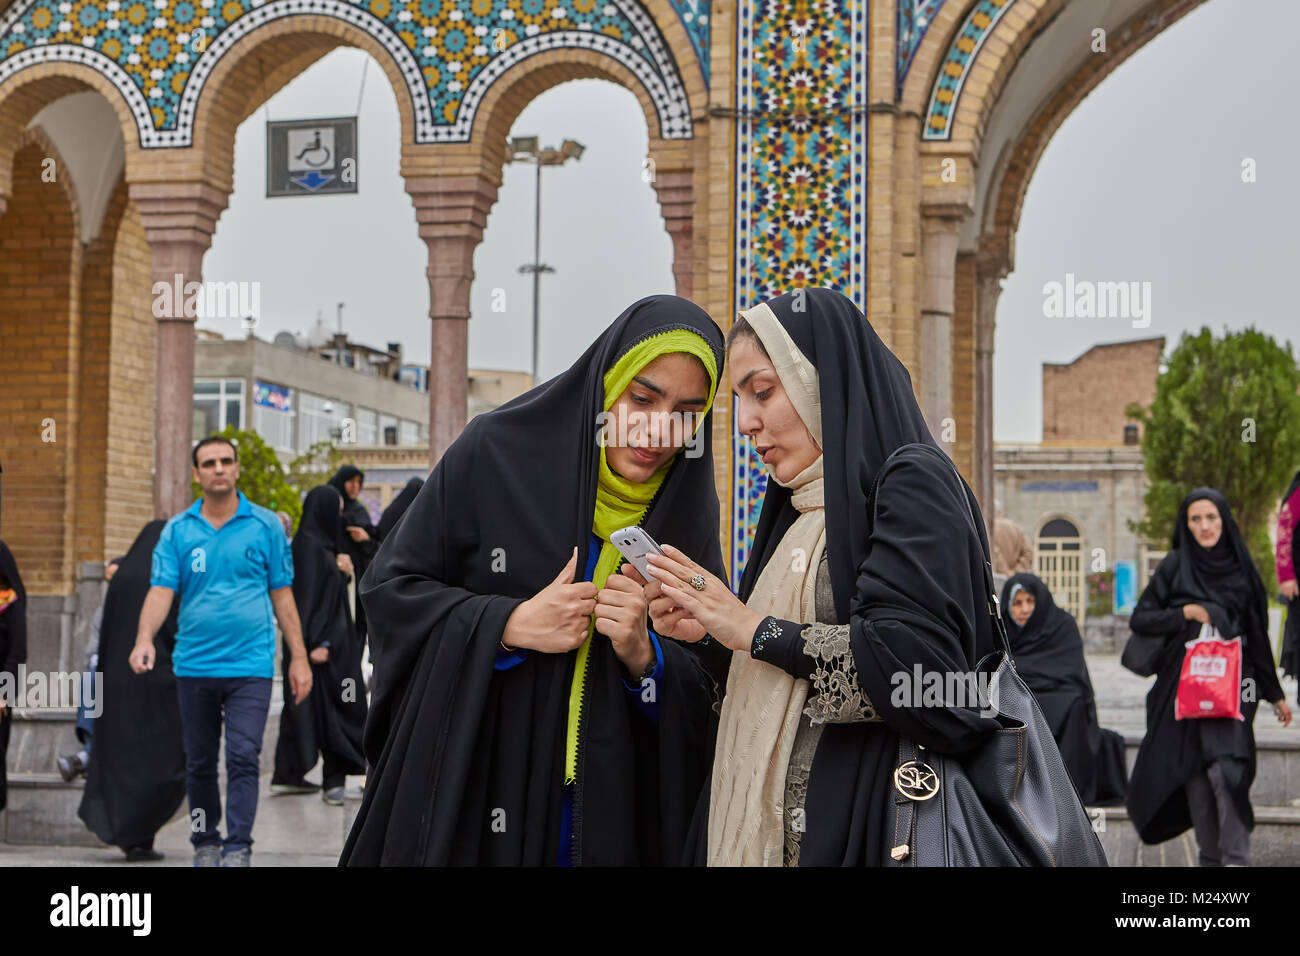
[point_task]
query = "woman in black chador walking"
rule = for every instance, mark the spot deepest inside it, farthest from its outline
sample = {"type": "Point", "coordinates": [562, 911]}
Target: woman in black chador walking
{"type": "Point", "coordinates": [136, 781]}
{"type": "Point", "coordinates": [330, 721]}
{"type": "Point", "coordinates": [1197, 773]}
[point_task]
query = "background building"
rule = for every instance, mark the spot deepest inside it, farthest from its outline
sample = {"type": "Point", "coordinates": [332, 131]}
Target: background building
{"type": "Point", "coordinates": [1076, 491]}
{"type": "Point", "coordinates": [298, 390]}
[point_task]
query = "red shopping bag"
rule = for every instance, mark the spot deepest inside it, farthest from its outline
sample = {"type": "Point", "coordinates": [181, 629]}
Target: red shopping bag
{"type": "Point", "coordinates": [1210, 682]}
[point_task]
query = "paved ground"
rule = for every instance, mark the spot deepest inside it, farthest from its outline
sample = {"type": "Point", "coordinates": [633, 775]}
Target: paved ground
{"type": "Point", "coordinates": [304, 831]}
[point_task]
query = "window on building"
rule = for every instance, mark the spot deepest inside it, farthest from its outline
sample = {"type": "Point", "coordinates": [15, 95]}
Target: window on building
{"type": "Point", "coordinates": [388, 429]}
{"type": "Point", "coordinates": [317, 417]}
{"type": "Point", "coordinates": [273, 415]}
{"type": "Point", "coordinates": [218, 402]}
{"type": "Point", "coordinates": [409, 433]}
{"type": "Point", "coordinates": [367, 426]}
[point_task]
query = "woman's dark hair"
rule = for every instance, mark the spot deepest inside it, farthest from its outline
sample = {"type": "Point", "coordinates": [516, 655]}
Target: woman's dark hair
{"type": "Point", "coordinates": [742, 329]}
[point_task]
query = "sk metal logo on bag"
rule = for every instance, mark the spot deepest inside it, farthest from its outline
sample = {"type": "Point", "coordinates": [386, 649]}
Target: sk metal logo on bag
{"type": "Point", "coordinates": [916, 781]}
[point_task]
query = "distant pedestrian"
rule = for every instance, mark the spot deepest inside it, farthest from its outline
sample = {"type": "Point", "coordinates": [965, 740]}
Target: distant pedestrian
{"type": "Point", "coordinates": [1048, 651]}
{"type": "Point", "coordinates": [1197, 772]}
{"type": "Point", "coordinates": [1012, 552]}
{"type": "Point", "coordinates": [360, 537]}
{"type": "Point", "coordinates": [330, 722]}
{"type": "Point", "coordinates": [229, 561]}
{"type": "Point", "coordinates": [13, 646]}
{"type": "Point", "coordinates": [1284, 561]}
{"type": "Point", "coordinates": [74, 765]}
{"type": "Point", "coordinates": [136, 778]}
{"type": "Point", "coordinates": [397, 507]}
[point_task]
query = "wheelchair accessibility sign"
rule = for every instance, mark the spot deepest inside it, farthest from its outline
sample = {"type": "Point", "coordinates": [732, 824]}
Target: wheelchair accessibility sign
{"type": "Point", "coordinates": [311, 157]}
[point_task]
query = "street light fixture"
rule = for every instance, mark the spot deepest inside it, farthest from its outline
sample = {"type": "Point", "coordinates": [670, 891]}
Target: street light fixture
{"type": "Point", "coordinates": [526, 149]}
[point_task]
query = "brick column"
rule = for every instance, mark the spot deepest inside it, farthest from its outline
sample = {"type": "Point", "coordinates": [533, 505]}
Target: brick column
{"type": "Point", "coordinates": [451, 212]}
{"type": "Point", "coordinates": [179, 220]}
{"type": "Point", "coordinates": [991, 266]}
{"type": "Point", "coordinates": [676, 189]}
{"type": "Point", "coordinates": [940, 229]}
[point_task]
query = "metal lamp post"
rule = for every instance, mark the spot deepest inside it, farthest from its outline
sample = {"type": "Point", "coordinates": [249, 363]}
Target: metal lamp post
{"type": "Point", "coordinates": [525, 149]}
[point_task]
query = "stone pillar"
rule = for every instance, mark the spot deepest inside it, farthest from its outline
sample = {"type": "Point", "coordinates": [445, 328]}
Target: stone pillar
{"type": "Point", "coordinates": [179, 220]}
{"type": "Point", "coordinates": [940, 230]}
{"type": "Point", "coordinates": [676, 189]}
{"type": "Point", "coordinates": [451, 212]}
{"type": "Point", "coordinates": [991, 267]}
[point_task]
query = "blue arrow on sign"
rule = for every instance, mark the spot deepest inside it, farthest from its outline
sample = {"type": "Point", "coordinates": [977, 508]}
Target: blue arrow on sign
{"type": "Point", "coordinates": [313, 180]}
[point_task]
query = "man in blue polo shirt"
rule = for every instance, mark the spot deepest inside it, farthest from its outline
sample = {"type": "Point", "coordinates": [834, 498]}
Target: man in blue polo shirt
{"type": "Point", "coordinates": [231, 563]}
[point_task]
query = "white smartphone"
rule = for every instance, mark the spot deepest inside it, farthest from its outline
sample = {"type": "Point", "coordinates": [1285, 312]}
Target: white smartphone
{"type": "Point", "coordinates": [634, 544]}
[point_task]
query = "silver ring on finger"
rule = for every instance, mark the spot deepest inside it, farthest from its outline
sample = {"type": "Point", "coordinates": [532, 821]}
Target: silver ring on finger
{"type": "Point", "coordinates": [697, 582]}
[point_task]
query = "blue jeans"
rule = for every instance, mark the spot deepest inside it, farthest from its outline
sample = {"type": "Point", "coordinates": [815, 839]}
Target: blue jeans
{"type": "Point", "coordinates": [244, 702]}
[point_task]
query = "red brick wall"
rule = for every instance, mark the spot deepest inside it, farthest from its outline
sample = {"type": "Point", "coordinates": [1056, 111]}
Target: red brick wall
{"type": "Point", "coordinates": [1084, 400]}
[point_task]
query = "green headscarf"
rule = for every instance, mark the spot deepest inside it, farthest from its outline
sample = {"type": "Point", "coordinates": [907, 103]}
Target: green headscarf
{"type": "Point", "coordinates": [621, 503]}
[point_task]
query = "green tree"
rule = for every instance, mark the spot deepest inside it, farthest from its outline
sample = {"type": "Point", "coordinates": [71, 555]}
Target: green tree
{"type": "Point", "coordinates": [1226, 415]}
{"type": "Point", "coordinates": [261, 476]}
{"type": "Point", "coordinates": [316, 465]}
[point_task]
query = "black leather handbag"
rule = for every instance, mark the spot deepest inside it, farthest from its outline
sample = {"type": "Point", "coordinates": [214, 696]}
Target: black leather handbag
{"type": "Point", "coordinates": [1142, 653]}
{"type": "Point", "coordinates": [1009, 802]}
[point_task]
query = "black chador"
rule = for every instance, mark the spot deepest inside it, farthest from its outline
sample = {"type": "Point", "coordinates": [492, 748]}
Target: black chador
{"type": "Point", "coordinates": [331, 719]}
{"type": "Point", "coordinates": [397, 507]}
{"type": "Point", "coordinates": [136, 781]}
{"type": "Point", "coordinates": [469, 761]}
{"type": "Point", "coordinates": [1048, 653]}
{"type": "Point", "coordinates": [1224, 581]}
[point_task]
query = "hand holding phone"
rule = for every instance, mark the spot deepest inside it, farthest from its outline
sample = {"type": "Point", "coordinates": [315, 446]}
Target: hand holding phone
{"type": "Point", "coordinates": [635, 545]}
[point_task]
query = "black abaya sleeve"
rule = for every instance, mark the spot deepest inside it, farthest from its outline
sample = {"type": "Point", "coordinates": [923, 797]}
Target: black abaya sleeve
{"type": "Point", "coordinates": [409, 606]}
{"type": "Point", "coordinates": [916, 592]}
{"type": "Point", "coordinates": [1152, 615]}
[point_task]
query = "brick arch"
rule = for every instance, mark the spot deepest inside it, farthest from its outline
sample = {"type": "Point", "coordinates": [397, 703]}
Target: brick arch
{"type": "Point", "coordinates": [260, 61]}
{"type": "Point", "coordinates": [928, 58]}
{"type": "Point", "coordinates": [528, 79]}
{"type": "Point", "coordinates": [25, 93]}
{"type": "Point", "coordinates": [40, 264]}
{"type": "Point", "coordinates": [1015, 167]}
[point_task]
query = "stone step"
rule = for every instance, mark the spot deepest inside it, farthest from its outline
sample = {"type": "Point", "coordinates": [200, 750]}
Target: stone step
{"type": "Point", "coordinates": [42, 806]}
{"type": "Point", "coordinates": [1274, 842]}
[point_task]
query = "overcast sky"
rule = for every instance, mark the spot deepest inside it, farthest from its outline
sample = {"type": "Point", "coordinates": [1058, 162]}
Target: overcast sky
{"type": "Point", "coordinates": [1143, 182]}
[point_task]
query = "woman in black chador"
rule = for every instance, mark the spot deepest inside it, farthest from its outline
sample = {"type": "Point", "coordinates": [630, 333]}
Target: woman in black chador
{"type": "Point", "coordinates": [13, 648]}
{"type": "Point", "coordinates": [358, 537]}
{"type": "Point", "coordinates": [136, 781]}
{"type": "Point", "coordinates": [332, 718]}
{"type": "Point", "coordinates": [1048, 651]}
{"type": "Point", "coordinates": [835, 603]}
{"type": "Point", "coordinates": [1197, 773]}
{"type": "Point", "coordinates": [522, 711]}
{"type": "Point", "coordinates": [397, 507]}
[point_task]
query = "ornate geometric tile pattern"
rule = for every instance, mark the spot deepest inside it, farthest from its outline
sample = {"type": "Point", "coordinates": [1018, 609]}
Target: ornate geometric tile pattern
{"type": "Point", "coordinates": [694, 15]}
{"type": "Point", "coordinates": [914, 18]}
{"type": "Point", "coordinates": [947, 88]}
{"type": "Point", "coordinates": [159, 53]}
{"type": "Point", "coordinates": [801, 92]}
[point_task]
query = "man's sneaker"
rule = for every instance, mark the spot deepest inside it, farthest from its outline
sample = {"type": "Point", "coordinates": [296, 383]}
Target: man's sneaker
{"type": "Point", "coordinates": [333, 796]}
{"type": "Point", "coordinates": [302, 786]}
{"type": "Point", "coordinates": [241, 857]}
{"type": "Point", "coordinates": [209, 855]}
{"type": "Point", "coordinates": [71, 767]}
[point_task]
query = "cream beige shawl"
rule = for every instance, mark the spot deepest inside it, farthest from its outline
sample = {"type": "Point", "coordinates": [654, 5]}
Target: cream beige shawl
{"type": "Point", "coordinates": [760, 714]}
